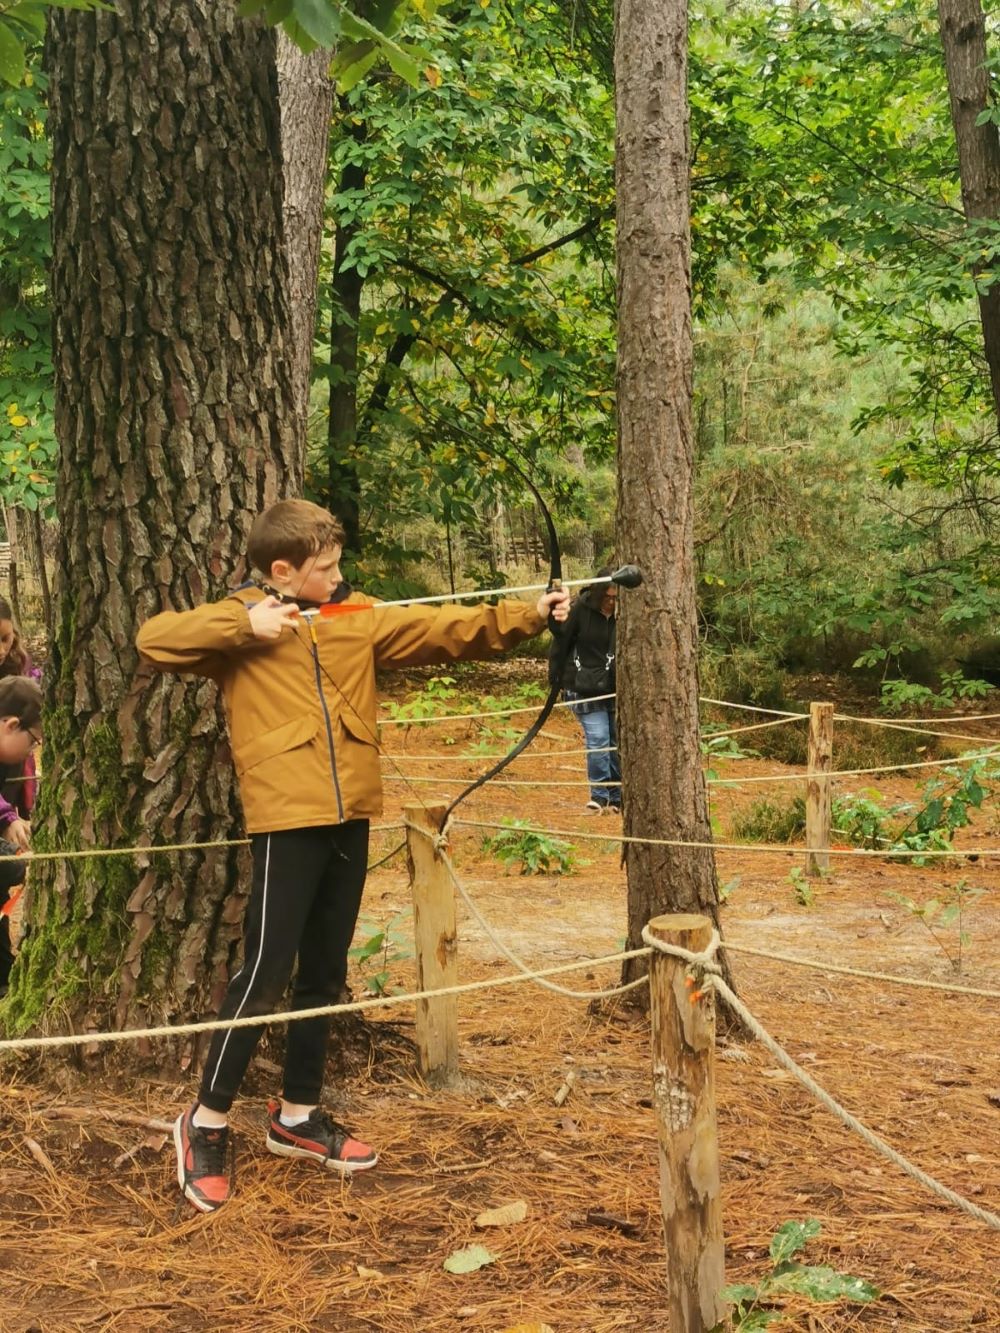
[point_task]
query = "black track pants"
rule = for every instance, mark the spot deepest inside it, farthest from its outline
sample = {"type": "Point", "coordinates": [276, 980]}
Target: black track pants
{"type": "Point", "coordinates": [304, 901]}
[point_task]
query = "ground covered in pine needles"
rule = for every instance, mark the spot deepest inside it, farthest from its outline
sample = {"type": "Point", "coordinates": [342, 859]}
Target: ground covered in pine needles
{"type": "Point", "coordinates": [92, 1237]}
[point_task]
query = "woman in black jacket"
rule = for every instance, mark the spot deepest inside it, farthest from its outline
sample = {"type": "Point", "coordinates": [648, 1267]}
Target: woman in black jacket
{"type": "Point", "coordinates": [582, 661]}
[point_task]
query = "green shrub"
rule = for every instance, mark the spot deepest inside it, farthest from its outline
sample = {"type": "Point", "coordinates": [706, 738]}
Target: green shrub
{"type": "Point", "coordinates": [769, 821]}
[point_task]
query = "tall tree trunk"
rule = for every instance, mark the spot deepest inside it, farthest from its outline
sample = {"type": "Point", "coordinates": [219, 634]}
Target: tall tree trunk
{"type": "Point", "coordinates": [173, 403]}
{"type": "Point", "coordinates": [36, 541]}
{"type": "Point", "coordinates": [305, 98]}
{"type": "Point", "coordinates": [347, 284]}
{"type": "Point", "coordinates": [665, 794]}
{"type": "Point", "coordinates": [963, 39]}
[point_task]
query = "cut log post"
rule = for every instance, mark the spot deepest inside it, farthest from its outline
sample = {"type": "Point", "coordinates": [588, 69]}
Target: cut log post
{"type": "Point", "coordinates": [436, 943]}
{"type": "Point", "coordinates": [818, 788]}
{"type": "Point", "coordinates": [683, 1038]}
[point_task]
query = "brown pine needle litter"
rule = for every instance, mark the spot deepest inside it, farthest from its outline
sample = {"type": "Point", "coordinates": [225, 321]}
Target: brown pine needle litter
{"type": "Point", "coordinates": [89, 1245]}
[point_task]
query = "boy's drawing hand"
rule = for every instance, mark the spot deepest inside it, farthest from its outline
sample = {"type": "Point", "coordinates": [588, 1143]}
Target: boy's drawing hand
{"type": "Point", "coordinates": [555, 603]}
{"type": "Point", "coordinates": [18, 833]}
{"type": "Point", "coordinates": [270, 617]}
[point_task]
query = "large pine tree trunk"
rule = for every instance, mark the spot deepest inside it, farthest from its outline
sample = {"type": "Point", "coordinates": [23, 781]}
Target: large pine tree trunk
{"type": "Point", "coordinates": [305, 95]}
{"type": "Point", "coordinates": [963, 39]}
{"type": "Point", "coordinates": [665, 794]}
{"type": "Point", "coordinates": [173, 410]}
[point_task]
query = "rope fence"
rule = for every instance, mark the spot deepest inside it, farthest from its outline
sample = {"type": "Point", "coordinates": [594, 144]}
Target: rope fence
{"type": "Point", "coordinates": [773, 849]}
{"type": "Point", "coordinates": [704, 970]}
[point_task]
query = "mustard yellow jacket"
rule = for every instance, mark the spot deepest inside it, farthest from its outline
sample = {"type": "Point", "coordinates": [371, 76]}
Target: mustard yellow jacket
{"type": "Point", "coordinates": [302, 711]}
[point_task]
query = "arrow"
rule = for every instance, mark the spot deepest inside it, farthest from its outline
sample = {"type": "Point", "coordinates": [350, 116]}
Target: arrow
{"type": "Point", "coordinates": [629, 576]}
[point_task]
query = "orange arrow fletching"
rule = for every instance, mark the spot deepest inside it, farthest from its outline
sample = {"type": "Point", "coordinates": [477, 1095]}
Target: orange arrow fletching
{"type": "Point", "coordinates": [329, 609]}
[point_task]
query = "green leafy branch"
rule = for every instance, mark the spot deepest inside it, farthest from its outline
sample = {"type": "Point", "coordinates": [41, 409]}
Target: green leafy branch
{"type": "Point", "coordinates": [754, 1304]}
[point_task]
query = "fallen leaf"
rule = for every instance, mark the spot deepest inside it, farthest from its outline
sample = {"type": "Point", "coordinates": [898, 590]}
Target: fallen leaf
{"type": "Point", "coordinates": [469, 1260]}
{"type": "Point", "coordinates": [505, 1216]}
{"type": "Point", "coordinates": [369, 1272]}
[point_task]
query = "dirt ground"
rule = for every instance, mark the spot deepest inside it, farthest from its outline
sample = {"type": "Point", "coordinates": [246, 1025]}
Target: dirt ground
{"type": "Point", "coordinates": [92, 1238]}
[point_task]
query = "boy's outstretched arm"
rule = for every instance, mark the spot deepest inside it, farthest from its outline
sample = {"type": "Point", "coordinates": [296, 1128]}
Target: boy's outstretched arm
{"type": "Point", "coordinates": [195, 641]}
{"type": "Point", "coordinates": [422, 636]}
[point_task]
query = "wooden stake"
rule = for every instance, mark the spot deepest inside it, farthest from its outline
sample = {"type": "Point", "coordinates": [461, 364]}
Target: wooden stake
{"type": "Point", "coordinates": [436, 942]}
{"type": "Point", "coordinates": [683, 1037]}
{"type": "Point", "coordinates": [818, 791]}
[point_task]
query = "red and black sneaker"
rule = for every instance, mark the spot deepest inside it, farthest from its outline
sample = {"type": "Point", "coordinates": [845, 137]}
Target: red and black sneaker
{"type": "Point", "coordinates": [202, 1163]}
{"type": "Point", "coordinates": [320, 1138]}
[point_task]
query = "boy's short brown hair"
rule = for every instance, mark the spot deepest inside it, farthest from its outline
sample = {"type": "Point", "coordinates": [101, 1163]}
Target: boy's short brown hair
{"type": "Point", "coordinates": [292, 530]}
{"type": "Point", "coordinates": [20, 697]}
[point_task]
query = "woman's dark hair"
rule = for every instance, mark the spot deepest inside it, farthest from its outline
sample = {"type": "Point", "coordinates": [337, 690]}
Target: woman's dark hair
{"type": "Point", "coordinates": [17, 659]}
{"type": "Point", "coordinates": [595, 591]}
{"type": "Point", "coordinates": [20, 697]}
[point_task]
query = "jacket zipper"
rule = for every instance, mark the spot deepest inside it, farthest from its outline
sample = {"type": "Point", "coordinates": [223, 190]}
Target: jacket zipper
{"type": "Point", "coordinates": [329, 724]}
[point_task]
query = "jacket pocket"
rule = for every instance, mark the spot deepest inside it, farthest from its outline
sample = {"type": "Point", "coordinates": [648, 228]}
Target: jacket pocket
{"type": "Point", "coordinates": [289, 736]}
{"type": "Point", "coordinates": [359, 730]}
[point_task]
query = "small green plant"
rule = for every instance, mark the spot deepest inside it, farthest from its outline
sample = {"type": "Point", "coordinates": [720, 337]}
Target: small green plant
{"type": "Point", "coordinates": [767, 821]}
{"type": "Point", "coordinates": [724, 747]}
{"type": "Point", "coordinates": [899, 695]}
{"type": "Point", "coordinates": [429, 702]}
{"type": "Point", "coordinates": [940, 914]}
{"type": "Point", "coordinates": [492, 741]}
{"type": "Point", "coordinates": [947, 802]}
{"type": "Point", "coordinates": [537, 854]}
{"type": "Point", "coordinates": [861, 818]}
{"type": "Point", "coordinates": [727, 890]}
{"type": "Point", "coordinates": [805, 894]}
{"type": "Point", "coordinates": [380, 948]}
{"type": "Point", "coordinates": [754, 1306]}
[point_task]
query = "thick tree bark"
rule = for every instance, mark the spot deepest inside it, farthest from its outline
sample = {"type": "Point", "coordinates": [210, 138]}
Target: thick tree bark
{"type": "Point", "coordinates": [665, 794]}
{"type": "Point", "coordinates": [305, 97]}
{"type": "Point", "coordinates": [173, 404]}
{"type": "Point", "coordinates": [963, 39]}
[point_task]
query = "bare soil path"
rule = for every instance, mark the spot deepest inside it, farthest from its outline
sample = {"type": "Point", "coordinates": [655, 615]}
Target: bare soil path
{"type": "Point", "coordinates": [94, 1240]}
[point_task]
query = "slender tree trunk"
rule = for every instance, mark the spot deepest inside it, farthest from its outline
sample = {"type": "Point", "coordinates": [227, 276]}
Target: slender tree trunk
{"type": "Point", "coordinates": [305, 97]}
{"type": "Point", "coordinates": [963, 39]}
{"type": "Point", "coordinates": [39, 570]}
{"type": "Point", "coordinates": [665, 794]}
{"type": "Point", "coordinates": [347, 284]}
{"type": "Point", "coordinates": [173, 403]}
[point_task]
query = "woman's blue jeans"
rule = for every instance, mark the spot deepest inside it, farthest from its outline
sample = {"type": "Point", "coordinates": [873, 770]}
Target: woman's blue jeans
{"type": "Point", "coordinates": [602, 755]}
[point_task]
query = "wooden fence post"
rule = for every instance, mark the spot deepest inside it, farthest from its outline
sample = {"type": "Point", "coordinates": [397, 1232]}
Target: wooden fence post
{"type": "Point", "coordinates": [436, 944]}
{"type": "Point", "coordinates": [818, 791]}
{"type": "Point", "coordinates": [683, 1038]}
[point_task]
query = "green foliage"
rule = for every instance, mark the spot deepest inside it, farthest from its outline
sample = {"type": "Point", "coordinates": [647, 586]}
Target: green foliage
{"type": "Point", "coordinates": [22, 24]}
{"type": "Point", "coordinates": [900, 695]}
{"type": "Point", "coordinates": [535, 853]}
{"type": "Point", "coordinates": [473, 215]}
{"type": "Point", "coordinates": [381, 946]}
{"type": "Point", "coordinates": [727, 889]}
{"type": "Point", "coordinates": [27, 436]}
{"type": "Point", "coordinates": [941, 914]}
{"type": "Point", "coordinates": [861, 818]}
{"type": "Point", "coordinates": [805, 894]}
{"type": "Point", "coordinates": [435, 699]}
{"type": "Point", "coordinates": [755, 1304]}
{"type": "Point", "coordinates": [357, 42]}
{"type": "Point", "coordinates": [947, 802]}
{"type": "Point", "coordinates": [929, 825]}
{"type": "Point", "coordinates": [771, 821]}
